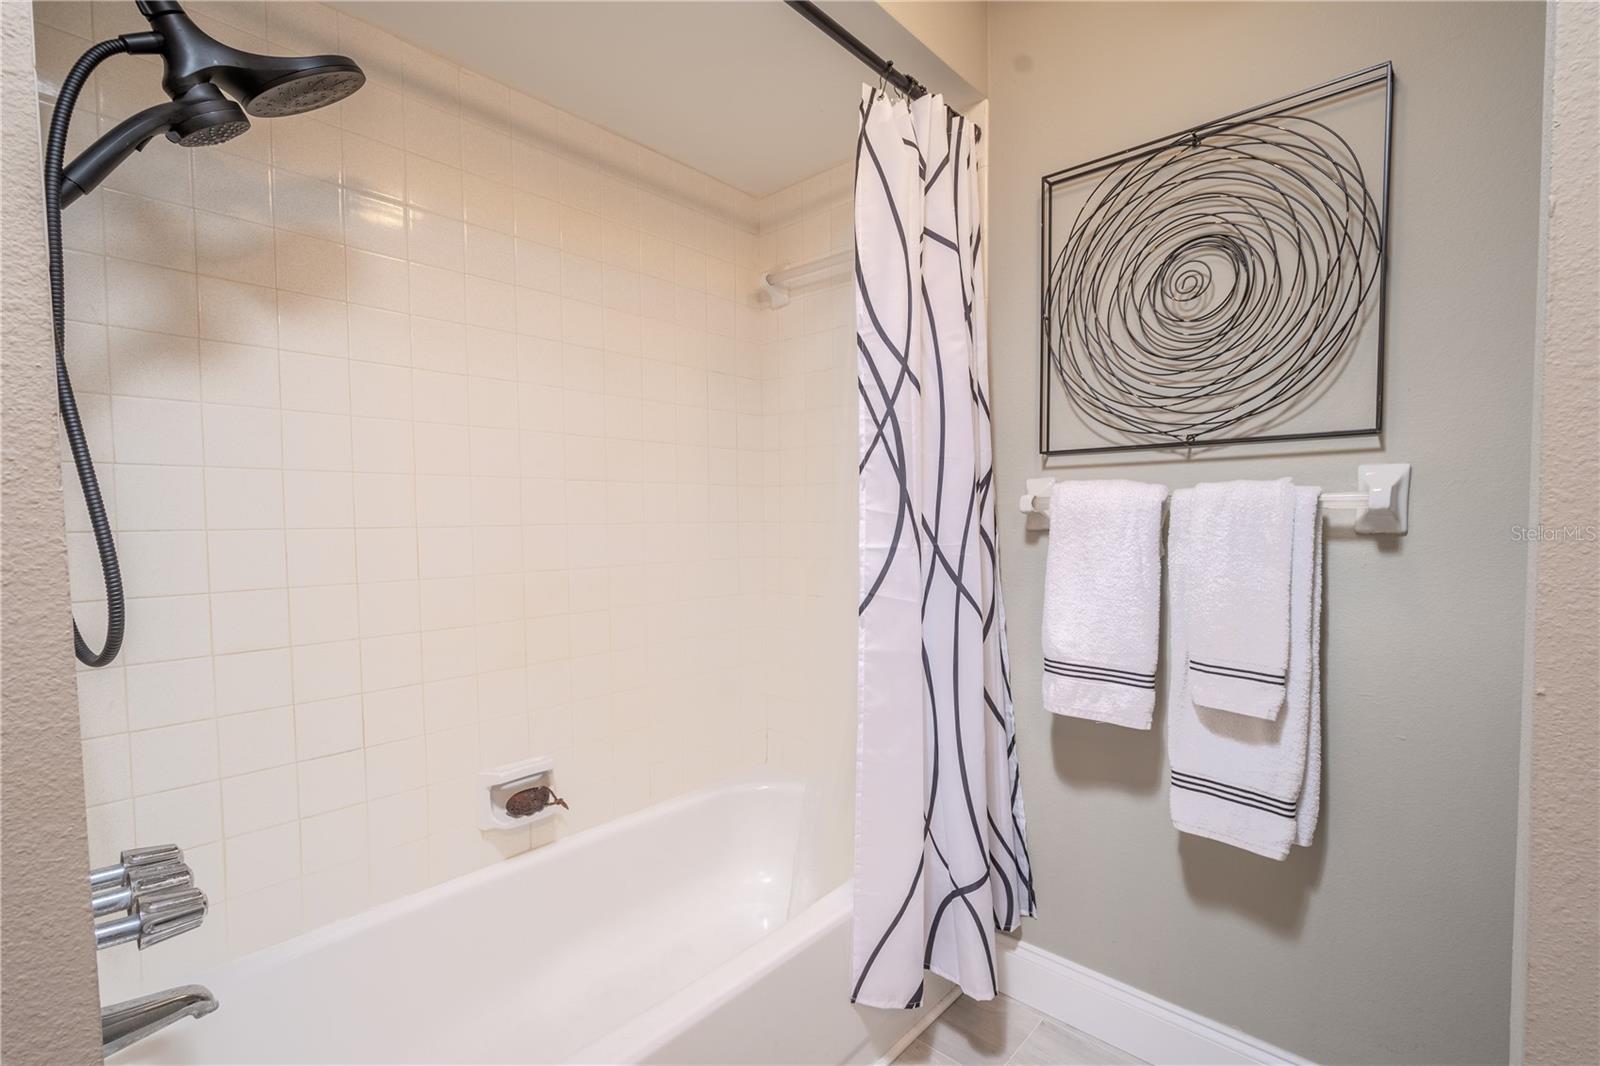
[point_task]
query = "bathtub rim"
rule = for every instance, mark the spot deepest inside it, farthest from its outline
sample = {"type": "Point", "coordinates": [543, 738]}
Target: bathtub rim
{"type": "Point", "coordinates": [344, 928]}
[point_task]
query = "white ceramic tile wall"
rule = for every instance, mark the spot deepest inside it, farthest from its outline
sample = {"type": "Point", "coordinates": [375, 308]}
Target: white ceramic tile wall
{"type": "Point", "coordinates": [805, 676]}
{"type": "Point", "coordinates": [440, 429]}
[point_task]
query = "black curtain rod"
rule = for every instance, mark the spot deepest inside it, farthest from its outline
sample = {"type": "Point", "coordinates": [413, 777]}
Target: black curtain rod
{"type": "Point", "coordinates": [884, 68]}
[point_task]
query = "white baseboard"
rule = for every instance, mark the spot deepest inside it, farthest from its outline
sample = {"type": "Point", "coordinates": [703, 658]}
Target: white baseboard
{"type": "Point", "coordinates": [1122, 1016]}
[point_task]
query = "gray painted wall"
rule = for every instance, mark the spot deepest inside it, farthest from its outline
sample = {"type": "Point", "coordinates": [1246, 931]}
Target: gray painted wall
{"type": "Point", "coordinates": [1391, 939]}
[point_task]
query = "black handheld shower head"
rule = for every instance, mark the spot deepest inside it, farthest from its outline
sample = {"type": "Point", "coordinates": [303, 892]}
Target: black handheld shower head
{"type": "Point", "coordinates": [202, 116]}
{"type": "Point", "coordinates": [267, 86]}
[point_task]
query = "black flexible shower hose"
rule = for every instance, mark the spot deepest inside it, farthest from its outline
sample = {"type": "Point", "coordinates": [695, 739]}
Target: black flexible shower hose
{"type": "Point", "coordinates": [54, 152]}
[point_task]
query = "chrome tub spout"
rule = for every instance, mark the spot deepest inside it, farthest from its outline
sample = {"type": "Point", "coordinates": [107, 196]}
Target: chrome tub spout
{"type": "Point", "coordinates": [128, 1022]}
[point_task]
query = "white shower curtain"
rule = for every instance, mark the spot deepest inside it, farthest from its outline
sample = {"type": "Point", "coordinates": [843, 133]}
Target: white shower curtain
{"type": "Point", "coordinates": [941, 856]}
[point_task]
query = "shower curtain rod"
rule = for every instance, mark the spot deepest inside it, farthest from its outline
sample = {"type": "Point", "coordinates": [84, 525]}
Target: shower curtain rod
{"type": "Point", "coordinates": [858, 48]}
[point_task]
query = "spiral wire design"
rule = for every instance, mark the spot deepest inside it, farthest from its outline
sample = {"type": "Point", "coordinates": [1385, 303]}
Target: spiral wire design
{"type": "Point", "coordinates": [1215, 281]}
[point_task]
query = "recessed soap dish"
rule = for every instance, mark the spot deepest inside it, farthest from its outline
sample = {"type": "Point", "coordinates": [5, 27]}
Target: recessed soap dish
{"type": "Point", "coordinates": [498, 785]}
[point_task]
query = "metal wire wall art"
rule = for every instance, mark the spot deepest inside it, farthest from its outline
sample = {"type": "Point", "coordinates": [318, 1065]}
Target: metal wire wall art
{"type": "Point", "coordinates": [1210, 285]}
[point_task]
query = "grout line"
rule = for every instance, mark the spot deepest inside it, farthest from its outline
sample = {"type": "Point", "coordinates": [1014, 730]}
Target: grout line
{"type": "Point", "coordinates": [416, 523]}
{"type": "Point", "coordinates": [283, 505]}
{"type": "Point", "coordinates": [211, 635]}
{"type": "Point", "coordinates": [1037, 1025]}
{"type": "Point", "coordinates": [114, 511]}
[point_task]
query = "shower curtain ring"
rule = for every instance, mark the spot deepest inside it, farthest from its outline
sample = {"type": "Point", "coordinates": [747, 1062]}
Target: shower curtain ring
{"type": "Point", "coordinates": [887, 85]}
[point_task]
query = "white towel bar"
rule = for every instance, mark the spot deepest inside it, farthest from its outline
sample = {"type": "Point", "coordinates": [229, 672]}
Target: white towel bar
{"type": "Point", "coordinates": [1380, 505]}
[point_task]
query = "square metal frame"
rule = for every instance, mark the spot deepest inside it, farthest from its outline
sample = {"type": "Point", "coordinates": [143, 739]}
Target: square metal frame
{"type": "Point", "coordinates": [1377, 74]}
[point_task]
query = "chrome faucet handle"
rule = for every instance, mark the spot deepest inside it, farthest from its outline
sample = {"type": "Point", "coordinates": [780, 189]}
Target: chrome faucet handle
{"type": "Point", "coordinates": [166, 913]}
{"type": "Point", "coordinates": [124, 1023]}
{"type": "Point", "coordinates": [132, 859]}
{"type": "Point", "coordinates": [140, 880]}
{"type": "Point", "coordinates": [155, 916]}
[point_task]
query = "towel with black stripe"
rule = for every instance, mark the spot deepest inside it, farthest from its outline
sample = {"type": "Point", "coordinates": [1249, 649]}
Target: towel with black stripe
{"type": "Point", "coordinates": [1102, 601]}
{"type": "Point", "coordinates": [1255, 783]}
{"type": "Point", "coordinates": [1237, 601]}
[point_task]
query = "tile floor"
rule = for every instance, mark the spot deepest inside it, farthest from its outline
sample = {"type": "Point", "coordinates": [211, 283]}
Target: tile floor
{"type": "Point", "coordinates": [971, 1033]}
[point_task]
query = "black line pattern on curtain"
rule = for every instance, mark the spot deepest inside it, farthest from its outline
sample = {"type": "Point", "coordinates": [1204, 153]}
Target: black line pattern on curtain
{"type": "Point", "coordinates": [926, 458]}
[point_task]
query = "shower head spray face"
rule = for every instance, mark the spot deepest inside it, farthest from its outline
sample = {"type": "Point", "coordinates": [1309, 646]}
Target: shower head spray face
{"type": "Point", "coordinates": [204, 117]}
{"type": "Point", "coordinates": [267, 86]}
{"type": "Point", "coordinates": [203, 131]}
{"type": "Point", "coordinates": [319, 81]}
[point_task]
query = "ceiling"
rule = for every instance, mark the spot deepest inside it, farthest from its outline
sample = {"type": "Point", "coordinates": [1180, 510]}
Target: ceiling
{"type": "Point", "coordinates": [748, 92]}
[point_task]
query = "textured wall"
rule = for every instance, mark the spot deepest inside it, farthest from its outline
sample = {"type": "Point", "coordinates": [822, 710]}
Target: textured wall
{"type": "Point", "coordinates": [1563, 877]}
{"type": "Point", "coordinates": [1390, 940]}
{"type": "Point", "coordinates": [47, 996]}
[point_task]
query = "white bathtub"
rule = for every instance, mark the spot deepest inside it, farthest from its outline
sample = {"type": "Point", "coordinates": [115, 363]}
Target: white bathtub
{"type": "Point", "coordinates": [664, 936]}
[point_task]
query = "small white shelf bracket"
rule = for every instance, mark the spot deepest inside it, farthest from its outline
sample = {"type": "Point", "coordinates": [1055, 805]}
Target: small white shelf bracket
{"type": "Point", "coordinates": [777, 283]}
{"type": "Point", "coordinates": [777, 293]}
{"type": "Point", "coordinates": [1381, 503]}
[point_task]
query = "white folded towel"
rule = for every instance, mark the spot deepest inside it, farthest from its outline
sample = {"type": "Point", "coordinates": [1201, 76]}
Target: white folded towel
{"type": "Point", "coordinates": [1102, 601]}
{"type": "Point", "coordinates": [1249, 782]}
{"type": "Point", "coordinates": [1237, 604]}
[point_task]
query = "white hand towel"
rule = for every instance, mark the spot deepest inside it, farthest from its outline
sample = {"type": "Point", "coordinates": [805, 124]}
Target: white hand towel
{"type": "Point", "coordinates": [1249, 782]}
{"type": "Point", "coordinates": [1237, 604]}
{"type": "Point", "coordinates": [1102, 606]}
